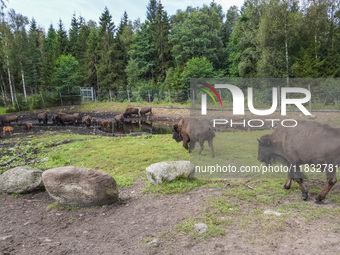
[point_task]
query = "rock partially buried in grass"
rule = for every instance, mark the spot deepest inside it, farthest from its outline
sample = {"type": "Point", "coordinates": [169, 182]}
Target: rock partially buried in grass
{"type": "Point", "coordinates": [168, 171]}
{"type": "Point", "coordinates": [21, 180]}
{"type": "Point", "coordinates": [80, 186]}
{"type": "Point", "coordinates": [201, 227]}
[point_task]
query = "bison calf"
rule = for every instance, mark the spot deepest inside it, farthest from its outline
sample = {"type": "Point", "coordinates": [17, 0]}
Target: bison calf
{"type": "Point", "coordinates": [28, 127]}
{"type": "Point", "coordinates": [191, 131]}
{"type": "Point", "coordinates": [8, 130]}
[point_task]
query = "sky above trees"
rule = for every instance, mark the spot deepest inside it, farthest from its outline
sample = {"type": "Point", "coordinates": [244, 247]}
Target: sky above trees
{"type": "Point", "coordinates": [47, 12]}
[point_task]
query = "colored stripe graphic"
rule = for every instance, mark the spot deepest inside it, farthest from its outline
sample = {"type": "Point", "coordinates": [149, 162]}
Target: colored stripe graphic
{"type": "Point", "coordinates": [213, 90]}
{"type": "Point", "coordinates": [208, 92]}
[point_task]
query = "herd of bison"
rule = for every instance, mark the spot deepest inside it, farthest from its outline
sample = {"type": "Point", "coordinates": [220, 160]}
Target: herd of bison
{"type": "Point", "coordinates": [76, 119]}
{"type": "Point", "coordinates": [309, 143]}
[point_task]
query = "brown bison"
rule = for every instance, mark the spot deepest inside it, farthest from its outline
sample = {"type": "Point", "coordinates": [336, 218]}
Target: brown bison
{"type": "Point", "coordinates": [86, 120]}
{"type": "Point", "coordinates": [28, 127]}
{"type": "Point", "coordinates": [78, 118]}
{"type": "Point", "coordinates": [130, 111]}
{"type": "Point", "coordinates": [104, 123]}
{"type": "Point", "coordinates": [64, 118]}
{"type": "Point", "coordinates": [191, 130]}
{"type": "Point", "coordinates": [43, 117]}
{"type": "Point", "coordinates": [315, 144]}
{"type": "Point", "coordinates": [119, 118]}
{"type": "Point", "coordinates": [93, 121]}
{"type": "Point", "coordinates": [145, 110]}
{"type": "Point", "coordinates": [54, 119]}
{"type": "Point", "coordinates": [9, 118]}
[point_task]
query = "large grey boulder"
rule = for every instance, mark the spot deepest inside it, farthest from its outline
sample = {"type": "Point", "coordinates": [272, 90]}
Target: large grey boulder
{"type": "Point", "coordinates": [80, 186]}
{"type": "Point", "coordinates": [168, 171]}
{"type": "Point", "coordinates": [21, 180]}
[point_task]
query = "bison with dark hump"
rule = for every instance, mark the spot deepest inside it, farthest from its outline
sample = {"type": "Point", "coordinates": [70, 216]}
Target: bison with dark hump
{"type": "Point", "coordinates": [309, 143]}
{"type": "Point", "coordinates": [130, 111]}
{"type": "Point", "coordinates": [145, 110]}
{"type": "Point", "coordinates": [191, 130]}
{"type": "Point", "coordinates": [43, 117]}
{"type": "Point", "coordinates": [64, 118]}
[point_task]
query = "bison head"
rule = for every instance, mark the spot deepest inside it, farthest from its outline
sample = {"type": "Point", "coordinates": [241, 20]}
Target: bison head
{"type": "Point", "coordinates": [265, 150]}
{"type": "Point", "coordinates": [176, 134]}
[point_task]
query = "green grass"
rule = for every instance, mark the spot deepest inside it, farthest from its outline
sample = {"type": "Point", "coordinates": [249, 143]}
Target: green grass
{"type": "Point", "coordinates": [2, 110]}
{"type": "Point", "coordinates": [124, 158]}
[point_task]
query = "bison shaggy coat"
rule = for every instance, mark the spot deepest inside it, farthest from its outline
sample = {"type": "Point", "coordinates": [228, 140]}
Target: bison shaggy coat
{"type": "Point", "coordinates": [191, 131]}
{"type": "Point", "coordinates": [309, 143]}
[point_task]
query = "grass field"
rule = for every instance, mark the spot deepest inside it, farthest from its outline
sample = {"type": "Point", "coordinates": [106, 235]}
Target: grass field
{"type": "Point", "coordinates": [239, 204]}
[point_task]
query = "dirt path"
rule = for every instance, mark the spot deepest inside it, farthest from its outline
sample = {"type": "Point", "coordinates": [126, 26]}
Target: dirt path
{"type": "Point", "coordinates": [145, 224]}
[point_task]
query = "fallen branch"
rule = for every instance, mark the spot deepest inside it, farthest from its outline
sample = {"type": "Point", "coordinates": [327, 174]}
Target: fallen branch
{"type": "Point", "coordinates": [250, 187]}
{"type": "Point", "coordinates": [15, 158]}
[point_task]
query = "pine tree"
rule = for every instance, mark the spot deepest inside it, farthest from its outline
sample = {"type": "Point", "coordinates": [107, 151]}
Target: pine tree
{"type": "Point", "coordinates": [62, 40]}
{"type": "Point", "coordinates": [106, 68]}
{"type": "Point", "coordinates": [73, 35]}
{"type": "Point", "coordinates": [34, 58]}
{"type": "Point", "coordinates": [50, 56]}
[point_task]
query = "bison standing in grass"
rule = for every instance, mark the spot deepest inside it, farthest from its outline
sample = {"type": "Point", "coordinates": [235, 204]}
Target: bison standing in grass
{"type": "Point", "coordinates": [191, 131]}
{"type": "Point", "coordinates": [130, 111]}
{"type": "Point", "coordinates": [146, 110]}
{"type": "Point", "coordinates": [43, 117]}
{"type": "Point", "coordinates": [315, 144]}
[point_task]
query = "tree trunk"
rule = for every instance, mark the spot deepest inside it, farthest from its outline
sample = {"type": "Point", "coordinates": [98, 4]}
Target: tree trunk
{"type": "Point", "coordinates": [10, 80]}
{"type": "Point", "coordinates": [287, 53]}
{"type": "Point", "coordinates": [23, 82]}
{"type": "Point", "coordinates": [3, 91]}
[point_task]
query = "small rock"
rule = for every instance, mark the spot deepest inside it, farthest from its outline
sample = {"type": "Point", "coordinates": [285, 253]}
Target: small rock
{"type": "Point", "coordinates": [201, 227]}
{"type": "Point", "coordinates": [272, 212]}
{"type": "Point", "coordinates": [168, 171]}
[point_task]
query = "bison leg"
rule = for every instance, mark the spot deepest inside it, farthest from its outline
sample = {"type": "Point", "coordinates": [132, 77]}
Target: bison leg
{"type": "Point", "coordinates": [185, 144]}
{"type": "Point", "coordinates": [192, 145]}
{"type": "Point", "coordinates": [202, 147]}
{"type": "Point", "coordinates": [288, 184]}
{"type": "Point", "coordinates": [211, 145]}
{"type": "Point", "coordinates": [304, 190]}
{"type": "Point", "coordinates": [331, 180]}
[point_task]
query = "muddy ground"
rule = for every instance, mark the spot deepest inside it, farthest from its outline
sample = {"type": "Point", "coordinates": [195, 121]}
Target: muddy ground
{"type": "Point", "coordinates": [143, 223]}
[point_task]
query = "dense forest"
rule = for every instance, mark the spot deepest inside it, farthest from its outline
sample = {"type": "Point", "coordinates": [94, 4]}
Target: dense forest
{"type": "Point", "coordinates": [264, 38]}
